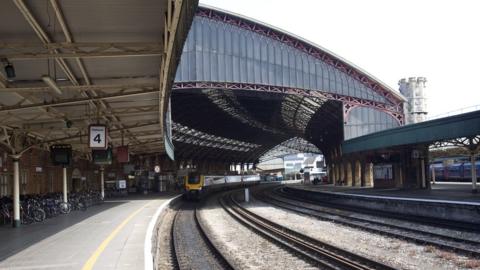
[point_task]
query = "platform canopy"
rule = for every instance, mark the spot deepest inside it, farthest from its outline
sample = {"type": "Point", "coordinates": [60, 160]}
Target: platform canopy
{"type": "Point", "coordinates": [465, 125]}
{"type": "Point", "coordinates": [78, 63]}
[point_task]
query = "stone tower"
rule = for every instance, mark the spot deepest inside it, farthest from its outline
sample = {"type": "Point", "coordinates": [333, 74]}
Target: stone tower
{"type": "Point", "coordinates": [416, 106]}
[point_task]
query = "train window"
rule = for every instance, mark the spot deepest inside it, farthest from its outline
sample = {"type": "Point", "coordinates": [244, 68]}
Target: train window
{"type": "Point", "coordinates": [193, 179]}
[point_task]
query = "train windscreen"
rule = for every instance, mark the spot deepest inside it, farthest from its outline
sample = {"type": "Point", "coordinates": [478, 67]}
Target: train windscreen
{"type": "Point", "coordinates": [193, 179]}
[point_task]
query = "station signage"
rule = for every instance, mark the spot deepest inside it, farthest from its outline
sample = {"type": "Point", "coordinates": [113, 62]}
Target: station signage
{"type": "Point", "coordinates": [122, 184]}
{"type": "Point", "coordinates": [102, 157]}
{"type": "Point", "coordinates": [97, 135]}
{"type": "Point", "coordinates": [122, 154]}
{"type": "Point", "coordinates": [61, 154]}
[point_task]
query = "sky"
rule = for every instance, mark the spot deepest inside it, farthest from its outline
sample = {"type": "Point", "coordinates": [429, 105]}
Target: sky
{"type": "Point", "coordinates": [439, 40]}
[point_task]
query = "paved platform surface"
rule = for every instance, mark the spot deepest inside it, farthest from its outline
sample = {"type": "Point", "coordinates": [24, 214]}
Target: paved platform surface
{"type": "Point", "coordinates": [69, 241]}
{"type": "Point", "coordinates": [455, 192]}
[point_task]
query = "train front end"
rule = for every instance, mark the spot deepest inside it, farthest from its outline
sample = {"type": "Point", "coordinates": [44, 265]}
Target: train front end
{"type": "Point", "coordinates": [194, 183]}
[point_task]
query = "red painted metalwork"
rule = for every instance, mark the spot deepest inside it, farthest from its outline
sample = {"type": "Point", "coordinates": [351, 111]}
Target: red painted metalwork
{"type": "Point", "coordinates": [347, 107]}
{"type": "Point", "coordinates": [304, 47]}
{"type": "Point", "coordinates": [394, 111]}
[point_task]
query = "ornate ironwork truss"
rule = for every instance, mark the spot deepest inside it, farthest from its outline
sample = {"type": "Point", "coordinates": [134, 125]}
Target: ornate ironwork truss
{"type": "Point", "coordinates": [21, 51]}
{"type": "Point", "coordinates": [472, 144]}
{"type": "Point", "coordinates": [227, 102]}
{"type": "Point", "coordinates": [395, 110]}
{"type": "Point", "coordinates": [122, 92]}
{"type": "Point", "coordinates": [303, 46]}
{"type": "Point", "coordinates": [192, 136]}
{"type": "Point", "coordinates": [297, 111]}
{"type": "Point", "coordinates": [293, 145]}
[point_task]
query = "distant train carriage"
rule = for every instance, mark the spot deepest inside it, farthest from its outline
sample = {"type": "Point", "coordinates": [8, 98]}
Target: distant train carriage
{"type": "Point", "coordinates": [197, 185]}
{"type": "Point", "coordinates": [454, 169]}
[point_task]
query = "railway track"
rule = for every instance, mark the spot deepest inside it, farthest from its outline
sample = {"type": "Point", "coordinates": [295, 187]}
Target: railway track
{"type": "Point", "coordinates": [191, 247]}
{"type": "Point", "coordinates": [437, 222]}
{"type": "Point", "coordinates": [316, 252]}
{"type": "Point", "coordinates": [429, 238]}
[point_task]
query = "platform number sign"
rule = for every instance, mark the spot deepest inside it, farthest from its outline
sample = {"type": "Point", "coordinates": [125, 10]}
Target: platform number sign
{"type": "Point", "coordinates": [98, 137]}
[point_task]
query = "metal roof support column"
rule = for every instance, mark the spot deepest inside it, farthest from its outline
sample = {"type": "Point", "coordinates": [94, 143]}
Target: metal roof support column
{"type": "Point", "coordinates": [65, 193]}
{"type": "Point", "coordinates": [102, 181]}
{"type": "Point", "coordinates": [422, 172]}
{"type": "Point", "coordinates": [432, 171]}
{"type": "Point", "coordinates": [473, 171]}
{"type": "Point", "coordinates": [16, 191]}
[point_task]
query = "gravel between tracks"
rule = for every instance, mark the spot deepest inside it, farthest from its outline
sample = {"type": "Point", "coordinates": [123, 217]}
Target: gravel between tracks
{"type": "Point", "coordinates": [398, 253]}
{"type": "Point", "coordinates": [164, 254]}
{"type": "Point", "coordinates": [191, 249]}
{"type": "Point", "coordinates": [423, 227]}
{"type": "Point", "coordinates": [245, 248]}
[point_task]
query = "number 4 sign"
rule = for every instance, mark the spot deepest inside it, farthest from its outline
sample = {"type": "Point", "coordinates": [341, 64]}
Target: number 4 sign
{"type": "Point", "coordinates": [98, 137]}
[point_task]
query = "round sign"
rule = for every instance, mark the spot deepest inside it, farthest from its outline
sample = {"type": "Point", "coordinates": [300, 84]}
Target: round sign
{"type": "Point", "coordinates": [157, 168]}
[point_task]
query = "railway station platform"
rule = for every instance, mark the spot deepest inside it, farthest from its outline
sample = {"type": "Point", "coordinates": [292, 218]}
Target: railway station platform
{"type": "Point", "coordinates": [457, 192]}
{"type": "Point", "coordinates": [106, 236]}
{"type": "Point", "coordinates": [445, 201]}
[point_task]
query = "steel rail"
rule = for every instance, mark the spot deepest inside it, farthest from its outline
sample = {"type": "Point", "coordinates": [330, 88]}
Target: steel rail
{"type": "Point", "coordinates": [212, 249]}
{"type": "Point", "coordinates": [316, 251]}
{"type": "Point", "coordinates": [359, 223]}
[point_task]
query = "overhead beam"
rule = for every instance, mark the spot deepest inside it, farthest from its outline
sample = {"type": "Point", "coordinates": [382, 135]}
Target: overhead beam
{"type": "Point", "coordinates": [25, 51]}
{"type": "Point", "coordinates": [69, 39]}
{"type": "Point", "coordinates": [66, 138]}
{"type": "Point", "coordinates": [79, 88]}
{"type": "Point", "coordinates": [73, 101]}
{"type": "Point", "coordinates": [152, 46]}
{"type": "Point", "coordinates": [29, 56]}
{"type": "Point", "coordinates": [42, 35]}
{"type": "Point", "coordinates": [33, 119]}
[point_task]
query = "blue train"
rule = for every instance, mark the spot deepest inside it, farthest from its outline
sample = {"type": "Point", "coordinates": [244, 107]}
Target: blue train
{"type": "Point", "coordinates": [455, 169]}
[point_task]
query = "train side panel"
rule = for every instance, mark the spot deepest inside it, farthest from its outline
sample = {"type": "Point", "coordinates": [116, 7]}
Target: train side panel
{"type": "Point", "coordinates": [211, 183]}
{"type": "Point", "coordinates": [460, 171]}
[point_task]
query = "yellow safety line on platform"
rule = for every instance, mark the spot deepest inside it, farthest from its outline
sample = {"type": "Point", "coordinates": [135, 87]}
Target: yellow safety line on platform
{"type": "Point", "coordinates": [91, 261]}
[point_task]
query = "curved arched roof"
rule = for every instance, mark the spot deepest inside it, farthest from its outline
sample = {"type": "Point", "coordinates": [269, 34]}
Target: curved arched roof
{"type": "Point", "coordinates": [248, 81]}
{"type": "Point", "coordinates": [301, 44]}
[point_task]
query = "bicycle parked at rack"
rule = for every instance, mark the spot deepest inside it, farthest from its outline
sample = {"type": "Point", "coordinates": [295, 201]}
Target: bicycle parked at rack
{"type": "Point", "coordinates": [36, 208]}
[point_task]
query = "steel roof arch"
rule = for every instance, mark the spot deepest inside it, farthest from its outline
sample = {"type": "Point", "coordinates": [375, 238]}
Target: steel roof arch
{"type": "Point", "coordinates": [303, 45]}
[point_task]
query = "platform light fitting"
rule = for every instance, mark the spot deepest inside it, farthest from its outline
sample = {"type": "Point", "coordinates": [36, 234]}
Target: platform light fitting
{"type": "Point", "coordinates": [10, 71]}
{"type": "Point", "coordinates": [68, 123]}
{"type": "Point", "coordinates": [50, 82]}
